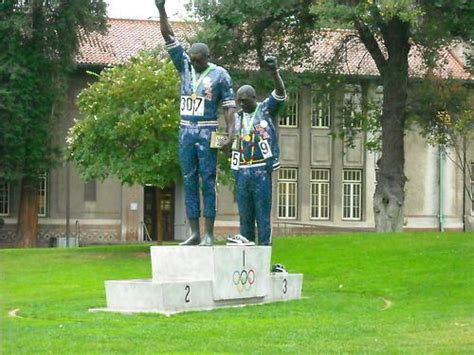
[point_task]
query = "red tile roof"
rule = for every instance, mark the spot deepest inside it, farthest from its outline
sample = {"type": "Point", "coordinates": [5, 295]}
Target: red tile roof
{"type": "Point", "coordinates": [126, 37]}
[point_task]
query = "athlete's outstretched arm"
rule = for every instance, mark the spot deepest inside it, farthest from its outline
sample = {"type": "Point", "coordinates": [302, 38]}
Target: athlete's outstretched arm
{"type": "Point", "coordinates": [166, 30]}
{"type": "Point", "coordinates": [272, 65]}
{"type": "Point", "coordinates": [279, 93]}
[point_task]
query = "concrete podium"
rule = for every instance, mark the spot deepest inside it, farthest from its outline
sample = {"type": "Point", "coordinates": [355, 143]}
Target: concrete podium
{"type": "Point", "coordinates": [195, 278]}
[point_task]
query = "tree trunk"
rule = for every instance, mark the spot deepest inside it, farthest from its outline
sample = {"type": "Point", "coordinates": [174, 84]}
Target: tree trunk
{"type": "Point", "coordinates": [27, 226]}
{"type": "Point", "coordinates": [389, 194]}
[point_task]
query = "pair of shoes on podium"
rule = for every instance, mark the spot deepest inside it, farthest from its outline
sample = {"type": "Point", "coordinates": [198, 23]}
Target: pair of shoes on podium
{"type": "Point", "coordinates": [279, 268]}
{"type": "Point", "coordinates": [238, 239]}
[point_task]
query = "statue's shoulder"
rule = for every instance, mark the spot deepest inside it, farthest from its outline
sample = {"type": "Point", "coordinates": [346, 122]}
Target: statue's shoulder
{"type": "Point", "coordinates": [220, 70]}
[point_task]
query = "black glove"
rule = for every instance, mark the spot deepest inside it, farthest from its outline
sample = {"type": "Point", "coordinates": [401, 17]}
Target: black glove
{"type": "Point", "coordinates": [271, 62]}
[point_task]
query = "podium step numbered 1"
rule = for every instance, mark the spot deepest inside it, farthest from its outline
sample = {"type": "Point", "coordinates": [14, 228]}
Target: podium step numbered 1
{"type": "Point", "coordinates": [203, 278]}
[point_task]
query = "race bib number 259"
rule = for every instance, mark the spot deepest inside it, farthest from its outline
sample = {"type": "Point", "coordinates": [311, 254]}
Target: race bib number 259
{"type": "Point", "coordinates": [192, 106]}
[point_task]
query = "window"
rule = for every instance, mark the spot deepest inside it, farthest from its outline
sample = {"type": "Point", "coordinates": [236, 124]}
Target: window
{"type": "Point", "coordinates": [320, 110]}
{"type": "Point", "coordinates": [287, 193]}
{"type": "Point", "coordinates": [320, 190]}
{"type": "Point", "coordinates": [42, 192]}
{"type": "Point", "coordinates": [4, 198]}
{"type": "Point", "coordinates": [352, 195]}
{"type": "Point", "coordinates": [352, 106]}
{"type": "Point", "coordinates": [290, 118]}
{"type": "Point", "coordinates": [90, 191]}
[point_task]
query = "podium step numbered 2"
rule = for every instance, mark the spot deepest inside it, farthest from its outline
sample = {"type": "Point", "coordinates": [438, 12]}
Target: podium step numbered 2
{"type": "Point", "coordinates": [203, 278]}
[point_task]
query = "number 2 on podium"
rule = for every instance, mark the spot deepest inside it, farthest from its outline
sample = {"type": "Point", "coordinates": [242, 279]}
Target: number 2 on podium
{"type": "Point", "coordinates": [186, 296]}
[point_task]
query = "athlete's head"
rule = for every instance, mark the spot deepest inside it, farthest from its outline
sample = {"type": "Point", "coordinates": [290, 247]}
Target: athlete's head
{"type": "Point", "coordinates": [247, 98]}
{"type": "Point", "coordinates": [199, 55]}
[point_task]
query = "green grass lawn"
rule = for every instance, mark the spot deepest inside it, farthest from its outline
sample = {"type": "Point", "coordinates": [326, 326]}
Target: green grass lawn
{"type": "Point", "coordinates": [397, 293]}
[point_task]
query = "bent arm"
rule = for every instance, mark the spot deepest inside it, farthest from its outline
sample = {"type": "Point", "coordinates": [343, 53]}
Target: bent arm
{"type": "Point", "coordinates": [279, 94]}
{"type": "Point", "coordinates": [278, 84]}
{"type": "Point", "coordinates": [166, 30]}
{"type": "Point", "coordinates": [272, 66]}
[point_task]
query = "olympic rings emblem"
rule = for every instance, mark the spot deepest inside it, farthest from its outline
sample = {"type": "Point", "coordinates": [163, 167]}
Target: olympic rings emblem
{"type": "Point", "coordinates": [243, 279]}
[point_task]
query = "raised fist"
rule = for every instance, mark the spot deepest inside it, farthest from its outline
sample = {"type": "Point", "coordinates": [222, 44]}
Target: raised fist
{"type": "Point", "coordinates": [271, 62]}
{"type": "Point", "coordinates": [159, 3]}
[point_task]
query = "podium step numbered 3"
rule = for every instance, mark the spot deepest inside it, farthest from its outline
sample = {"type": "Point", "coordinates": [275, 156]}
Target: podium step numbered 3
{"type": "Point", "coordinates": [203, 278]}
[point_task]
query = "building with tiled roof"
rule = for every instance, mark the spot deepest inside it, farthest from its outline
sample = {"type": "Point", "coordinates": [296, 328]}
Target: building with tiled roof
{"type": "Point", "coordinates": [322, 185]}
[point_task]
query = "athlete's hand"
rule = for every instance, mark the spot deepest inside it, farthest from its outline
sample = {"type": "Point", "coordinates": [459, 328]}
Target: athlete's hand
{"type": "Point", "coordinates": [160, 3]}
{"type": "Point", "coordinates": [227, 144]}
{"type": "Point", "coordinates": [271, 62]}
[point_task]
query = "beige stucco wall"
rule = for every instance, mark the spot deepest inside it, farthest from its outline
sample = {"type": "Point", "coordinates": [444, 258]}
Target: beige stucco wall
{"type": "Point", "coordinates": [423, 189]}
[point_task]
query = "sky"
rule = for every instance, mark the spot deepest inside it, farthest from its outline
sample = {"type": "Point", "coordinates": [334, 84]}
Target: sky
{"type": "Point", "coordinates": [143, 9]}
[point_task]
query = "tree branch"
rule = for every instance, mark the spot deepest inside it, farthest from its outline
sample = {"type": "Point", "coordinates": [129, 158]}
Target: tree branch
{"type": "Point", "coordinates": [368, 38]}
{"type": "Point", "coordinates": [259, 32]}
{"type": "Point", "coordinates": [265, 23]}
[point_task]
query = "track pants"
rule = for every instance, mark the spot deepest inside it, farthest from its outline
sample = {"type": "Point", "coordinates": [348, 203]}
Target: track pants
{"type": "Point", "coordinates": [198, 159]}
{"type": "Point", "coordinates": [254, 198]}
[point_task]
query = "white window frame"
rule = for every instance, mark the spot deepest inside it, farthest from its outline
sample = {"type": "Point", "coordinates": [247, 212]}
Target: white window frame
{"type": "Point", "coordinates": [43, 195]}
{"type": "Point", "coordinates": [291, 117]}
{"type": "Point", "coordinates": [320, 109]}
{"type": "Point", "coordinates": [287, 192]}
{"type": "Point", "coordinates": [320, 187]}
{"type": "Point", "coordinates": [352, 101]}
{"type": "Point", "coordinates": [4, 198]}
{"type": "Point", "coordinates": [352, 195]}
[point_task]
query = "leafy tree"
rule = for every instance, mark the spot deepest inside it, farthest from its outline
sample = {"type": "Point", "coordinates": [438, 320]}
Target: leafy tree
{"type": "Point", "coordinates": [38, 44]}
{"type": "Point", "coordinates": [235, 29]}
{"type": "Point", "coordinates": [387, 28]}
{"type": "Point", "coordinates": [130, 121]}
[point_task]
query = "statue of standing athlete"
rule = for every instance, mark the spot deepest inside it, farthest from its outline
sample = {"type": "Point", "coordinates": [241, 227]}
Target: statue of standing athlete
{"type": "Point", "coordinates": [203, 86]}
{"type": "Point", "coordinates": [257, 156]}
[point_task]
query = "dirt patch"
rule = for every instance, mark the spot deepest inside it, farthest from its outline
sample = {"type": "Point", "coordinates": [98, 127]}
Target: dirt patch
{"type": "Point", "coordinates": [386, 304]}
{"type": "Point", "coordinates": [13, 313]}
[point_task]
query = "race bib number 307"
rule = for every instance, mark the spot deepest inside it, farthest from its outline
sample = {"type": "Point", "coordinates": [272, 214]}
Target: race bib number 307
{"type": "Point", "coordinates": [192, 106]}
